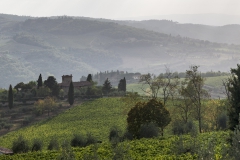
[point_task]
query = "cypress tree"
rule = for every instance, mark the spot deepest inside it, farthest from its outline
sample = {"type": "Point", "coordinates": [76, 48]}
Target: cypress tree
{"type": "Point", "coordinates": [10, 97]}
{"type": "Point", "coordinates": [124, 85]}
{"type": "Point", "coordinates": [89, 78]}
{"type": "Point", "coordinates": [120, 85]}
{"type": "Point", "coordinates": [234, 89]}
{"type": "Point", "coordinates": [39, 81]}
{"type": "Point", "coordinates": [71, 94]}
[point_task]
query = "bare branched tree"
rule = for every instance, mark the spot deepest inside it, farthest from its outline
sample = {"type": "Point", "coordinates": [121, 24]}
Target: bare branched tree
{"type": "Point", "coordinates": [195, 82]}
{"type": "Point", "coordinates": [166, 85]}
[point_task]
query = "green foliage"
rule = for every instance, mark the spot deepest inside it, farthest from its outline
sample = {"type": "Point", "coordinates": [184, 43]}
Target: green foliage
{"type": "Point", "coordinates": [234, 89]}
{"type": "Point", "coordinates": [78, 140]}
{"type": "Point", "coordinates": [10, 97]}
{"type": "Point", "coordinates": [37, 145]}
{"type": "Point", "coordinates": [149, 130]}
{"type": "Point", "coordinates": [66, 152]}
{"type": "Point", "coordinates": [106, 86]}
{"type": "Point", "coordinates": [122, 85]}
{"type": "Point", "coordinates": [95, 116]}
{"type": "Point", "coordinates": [20, 145]}
{"type": "Point", "coordinates": [52, 84]}
{"type": "Point", "coordinates": [71, 94]}
{"type": "Point", "coordinates": [144, 113]}
{"type": "Point", "coordinates": [53, 144]}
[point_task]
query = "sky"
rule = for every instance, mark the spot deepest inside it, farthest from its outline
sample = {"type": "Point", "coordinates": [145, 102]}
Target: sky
{"type": "Point", "coordinates": [117, 9]}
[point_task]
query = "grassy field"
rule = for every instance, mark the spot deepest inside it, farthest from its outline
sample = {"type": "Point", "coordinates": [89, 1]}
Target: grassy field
{"type": "Point", "coordinates": [96, 117]}
{"type": "Point", "coordinates": [214, 82]}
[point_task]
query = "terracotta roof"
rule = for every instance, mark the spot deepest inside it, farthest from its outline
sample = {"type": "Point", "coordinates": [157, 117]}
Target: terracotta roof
{"type": "Point", "coordinates": [76, 84]}
{"type": "Point", "coordinates": [5, 151]}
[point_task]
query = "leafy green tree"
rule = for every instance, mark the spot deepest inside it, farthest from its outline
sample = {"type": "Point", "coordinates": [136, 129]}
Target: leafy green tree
{"type": "Point", "coordinates": [89, 78]}
{"type": "Point", "coordinates": [52, 84]}
{"type": "Point", "coordinates": [234, 99]}
{"type": "Point", "coordinates": [144, 113]}
{"type": "Point", "coordinates": [106, 86]}
{"type": "Point", "coordinates": [10, 97]}
{"type": "Point", "coordinates": [39, 81]}
{"type": "Point", "coordinates": [71, 94]}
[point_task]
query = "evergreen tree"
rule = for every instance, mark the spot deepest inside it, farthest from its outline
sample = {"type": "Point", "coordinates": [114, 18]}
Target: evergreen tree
{"type": "Point", "coordinates": [89, 78]}
{"type": "Point", "coordinates": [124, 85]}
{"type": "Point", "coordinates": [234, 89]}
{"type": "Point", "coordinates": [106, 86]}
{"type": "Point", "coordinates": [39, 81]}
{"type": "Point", "coordinates": [120, 85]}
{"type": "Point", "coordinates": [10, 97]}
{"type": "Point", "coordinates": [71, 94]}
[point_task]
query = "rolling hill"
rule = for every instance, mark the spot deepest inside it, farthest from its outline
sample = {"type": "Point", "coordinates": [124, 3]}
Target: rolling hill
{"type": "Point", "coordinates": [65, 45]}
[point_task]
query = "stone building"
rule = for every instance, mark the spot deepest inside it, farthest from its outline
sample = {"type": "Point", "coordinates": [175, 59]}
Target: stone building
{"type": "Point", "coordinates": [66, 80]}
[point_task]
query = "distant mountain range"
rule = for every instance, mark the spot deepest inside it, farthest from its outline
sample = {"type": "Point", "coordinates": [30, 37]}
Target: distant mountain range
{"type": "Point", "coordinates": [211, 19]}
{"type": "Point", "coordinates": [77, 45]}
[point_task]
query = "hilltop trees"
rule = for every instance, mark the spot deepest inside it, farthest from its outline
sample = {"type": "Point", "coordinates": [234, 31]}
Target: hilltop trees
{"type": "Point", "coordinates": [10, 97]}
{"type": "Point", "coordinates": [71, 94]}
{"type": "Point", "coordinates": [145, 113]}
{"type": "Point", "coordinates": [39, 81]}
{"type": "Point", "coordinates": [52, 84]}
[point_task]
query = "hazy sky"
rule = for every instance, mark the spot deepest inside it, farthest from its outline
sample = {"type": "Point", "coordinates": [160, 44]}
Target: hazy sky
{"type": "Point", "coordinates": [118, 9]}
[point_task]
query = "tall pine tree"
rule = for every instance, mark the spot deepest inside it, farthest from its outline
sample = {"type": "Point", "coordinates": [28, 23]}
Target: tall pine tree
{"type": "Point", "coordinates": [39, 81]}
{"type": "Point", "coordinates": [71, 94]}
{"type": "Point", "coordinates": [234, 89]}
{"type": "Point", "coordinates": [10, 97]}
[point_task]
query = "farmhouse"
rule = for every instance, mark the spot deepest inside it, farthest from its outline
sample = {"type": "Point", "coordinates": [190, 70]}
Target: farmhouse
{"type": "Point", "coordinates": [66, 80]}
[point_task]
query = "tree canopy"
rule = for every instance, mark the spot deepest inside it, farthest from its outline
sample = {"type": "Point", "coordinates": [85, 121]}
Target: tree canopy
{"type": "Point", "coordinates": [143, 113]}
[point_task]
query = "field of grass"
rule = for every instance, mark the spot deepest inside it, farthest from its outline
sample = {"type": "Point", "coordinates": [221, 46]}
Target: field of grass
{"type": "Point", "coordinates": [214, 82]}
{"type": "Point", "coordinates": [96, 117]}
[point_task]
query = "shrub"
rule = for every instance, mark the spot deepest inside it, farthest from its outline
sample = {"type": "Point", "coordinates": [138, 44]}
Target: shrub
{"type": "Point", "coordinates": [53, 144]}
{"type": "Point", "coordinates": [20, 145]}
{"type": "Point", "coordinates": [148, 130]}
{"type": "Point", "coordinates": [67, 153]}
{"type": "Point", "coordinates": [90, 139]}
{"type": "Point", "coordinates": [37, 145]}
{"type": "Point", "coordinates": [179, 128]}
{"type": "Point", "coordinates": [114, 133]}
{"type": "Point", "coordinates": [127, 136]}
{"type": "Point", "coordinates": [222, 122]}
{"type": "Point", "coordinates": [78, 141]}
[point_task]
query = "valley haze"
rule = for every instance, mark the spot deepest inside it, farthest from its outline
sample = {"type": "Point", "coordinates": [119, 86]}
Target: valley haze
{"type": "Point", "coordinates": [63, 45]}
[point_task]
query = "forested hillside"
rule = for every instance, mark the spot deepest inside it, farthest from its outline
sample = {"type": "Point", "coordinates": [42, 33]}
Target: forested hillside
{"type": "Point", "coordinates": [65, 45]}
